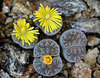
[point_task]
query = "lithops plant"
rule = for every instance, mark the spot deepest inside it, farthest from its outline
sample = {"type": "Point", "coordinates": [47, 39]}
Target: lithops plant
{"type": "Point", "coordinates": [73, 43]}
{"type": "Point", "coordinates": [47, 61]}
{"type": "Point", "coordinates": [49, 21]}
{"type": "Point", "coordinates": [24, 35]}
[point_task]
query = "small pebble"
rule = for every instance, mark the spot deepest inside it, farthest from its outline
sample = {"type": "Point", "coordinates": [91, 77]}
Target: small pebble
{"type": "Point", "coordinates": [92, 41]}
{"type": "Point", "coordinates": [14, 17]}
{"type": "Point", "coordinates": [25, 16]}
{"type": "Point", "coordinates": [65, 74]}
{"type": "Point", "coordinates": [69, 64]}
{"type": "Point", "coordinates": [1, 34]}
{"type": "Point", "coordinates": [57, 36]}
{"type": "Point", "coordinates": [8, 20]}
{"type": "Point", "coordinates": [30, 16]}
{"type": "Point", "coordinates": [6, 9]}
{"type": "Point", "coordinates": [39, 76]}
{"type": "Point", "coordinates": [78, 15]}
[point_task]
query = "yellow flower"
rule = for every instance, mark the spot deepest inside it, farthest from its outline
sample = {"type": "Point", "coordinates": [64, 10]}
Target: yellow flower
{"type": "Point", "coordinates": [24, 32]}
{"type": "Point", "coordinates": [47, 59]}
{"type": "Point", "coordinates": [49, 19]}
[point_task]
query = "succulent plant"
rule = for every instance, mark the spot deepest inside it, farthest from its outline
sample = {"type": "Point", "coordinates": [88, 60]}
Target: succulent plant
{"type": "Point", "coordinates": [24, 35]}
{"type": "Point", "coordinates": [49, 21]}
{"type": "Point", "coordinates": [47, 61]}
{"type": "Point", "coordinates": [73, 43]}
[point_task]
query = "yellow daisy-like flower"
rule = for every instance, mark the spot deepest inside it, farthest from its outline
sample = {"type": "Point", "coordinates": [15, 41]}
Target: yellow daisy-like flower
{"type": "Point", "coordinates": [49, 19]}
{"type": "Point", "coordinates": [47, 59]}
{"type": "Point", "coordinates": [24, 32]}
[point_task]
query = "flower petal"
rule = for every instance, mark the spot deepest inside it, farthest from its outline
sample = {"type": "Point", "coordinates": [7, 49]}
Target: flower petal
{"type": "Point", "coordinates": [31, 28]}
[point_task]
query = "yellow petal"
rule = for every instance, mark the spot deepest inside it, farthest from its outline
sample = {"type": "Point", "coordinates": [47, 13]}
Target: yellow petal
{"type": "Point", "coordinates": [34, 32]}
{"type": "Point", "coordinates": [31, 28]}
{"type": "Point", "coordinates": [23, 42]}
{"type": "Point", "coordinates": [23, 22]}
{"type": "Point", "coordinates": [47, 9]}
{"type": "Point", "coordinates": [41, 5]}
{"type": "Point", "coordinates": [36, 19]}
{"type": "Point", "coordinates": [26, 40]}
{"type": "Point", "coordinates": [16, 27]}
{"type": "Point", "coordinates": [27, 25]}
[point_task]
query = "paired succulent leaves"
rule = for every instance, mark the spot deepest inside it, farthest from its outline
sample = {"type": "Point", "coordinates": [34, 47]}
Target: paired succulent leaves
{"type": "Point", "coordinates": [47, 61]}
{"type": "Point", "coordinates": [50, 20]}
{"type": "Point", "coordinates": [23, 31]}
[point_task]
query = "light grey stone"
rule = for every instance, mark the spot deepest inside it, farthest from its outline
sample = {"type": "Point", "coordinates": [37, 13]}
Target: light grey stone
{"type": "Point", "coordinates": [8, 20]}
{"type": "Point", "coordinates": [4, 74]}
{"type": "Point", "coordinates": [87, 25]}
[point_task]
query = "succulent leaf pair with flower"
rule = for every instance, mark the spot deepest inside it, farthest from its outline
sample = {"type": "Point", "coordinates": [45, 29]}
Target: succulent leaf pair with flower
{"type": "Point", "coordinates": [24, 31]}
{"type": "Point", "coordinates": [47, 61]}
{"type": "Point", "coordinates": [49, 19]}
{"type": "Point", "coordinates": [24, 35]}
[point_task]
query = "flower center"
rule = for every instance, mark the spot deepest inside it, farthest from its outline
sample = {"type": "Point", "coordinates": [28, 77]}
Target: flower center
{"type": "Point", "coordinates": [47, 16]}
{"type": "Point", "coordinates": [23, 30]}
{"type": "Point", "coordinates": [47, 59]}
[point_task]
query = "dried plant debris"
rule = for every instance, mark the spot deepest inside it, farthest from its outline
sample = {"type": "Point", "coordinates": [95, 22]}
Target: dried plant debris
{"type": "Point", "coordinates": [94, 4]}
{"type": "Point", "coordinates": [48, 70]}
{"type": "Point", "coordinates": [87, 25]}
{"type": "Point", "coordinates": [47, 61]}
{"type": "Point", "coordinates": [73, 43]}
{"type": "Point", "coordinates": [2, 18]}
{"type": "Point", "coordinates": [13, 60]}
{"type": "Point", "coordinates": [46, 47]}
